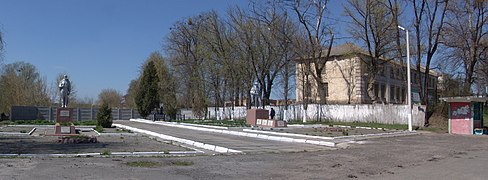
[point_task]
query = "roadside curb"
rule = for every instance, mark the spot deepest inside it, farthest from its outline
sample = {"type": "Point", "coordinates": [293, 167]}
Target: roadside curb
{"type": "Point", "coordinates": [245, 134]}
{"type": "Point", "coordinates": [210, 147]}
{"type": "Point", "coordinates": [392, 134]}
{"type": "Point", "coordinates": [132, 154]}
{"type": "Point", "coordinates": [19, 133]}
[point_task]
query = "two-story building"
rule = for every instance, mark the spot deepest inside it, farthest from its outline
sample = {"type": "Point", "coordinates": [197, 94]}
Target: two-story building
{"type": "Point", "coordinates": [346, 78]}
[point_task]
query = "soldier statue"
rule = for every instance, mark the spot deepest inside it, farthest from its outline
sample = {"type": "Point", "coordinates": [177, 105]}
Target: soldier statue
{"type": "Point", "coordinates": [255, 99]}
{"type": "Point", "coordinates": [65, 90]}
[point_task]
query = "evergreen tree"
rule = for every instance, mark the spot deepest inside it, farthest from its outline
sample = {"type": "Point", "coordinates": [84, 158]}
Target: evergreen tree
{"type": "Point", "coordinates": [104, 116]}
{"type": "Point", "coordinates": [147, 97]}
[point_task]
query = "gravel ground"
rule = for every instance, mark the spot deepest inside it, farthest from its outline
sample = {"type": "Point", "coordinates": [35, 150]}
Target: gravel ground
{"type": "Point", "coordinates": [49, 145]}
{"type": "Point", "coordinates": [425, 156]}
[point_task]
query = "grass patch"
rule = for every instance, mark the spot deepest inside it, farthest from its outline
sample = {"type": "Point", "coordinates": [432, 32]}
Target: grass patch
{"type": "Point", "coordinates": [149, 164]}
{"type": "Point", "coordinates": [99, 129]}
{"type": "Point", "coordinates": [123, 130]}
{"type": "Point", "coordinates": [33, 122]}
{"type": "Point", "coordinates": [224, 123]}
{"type": "Point", "coordinates": [85, 123]}
{"type": "Point", "coordinates": [357, 124]}
{"type": "Point", "coordinates": [106, 152]}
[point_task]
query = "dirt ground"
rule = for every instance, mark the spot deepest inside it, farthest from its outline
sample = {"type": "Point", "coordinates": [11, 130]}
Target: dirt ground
{"type": "Point", "coordinates": [42, 144]}
{"type": "Point", "coordinates": [425, 156]}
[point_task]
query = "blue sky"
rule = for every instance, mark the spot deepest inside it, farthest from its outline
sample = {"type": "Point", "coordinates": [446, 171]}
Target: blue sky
{"type": "Point", "coordinates": [99, 43]}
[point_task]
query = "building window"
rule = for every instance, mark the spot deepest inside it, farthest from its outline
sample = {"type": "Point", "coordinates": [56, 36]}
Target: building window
{"type": "Point", "coordinates": [383, 92]}
{"type": "Point", "coordinates": [398, 94]}
{"type": "Point", "coordinates": [326, 88]}
{"type": "Point", "coordinates": [381, 70]}
{"type": "Point", "coordinates": [392, 73]}
{"type": "Point", "coordinates": [376, 90]}
{"type": "Point", "coordinates": [414, 78]}
{"type": "Point", "coordinates": [431, 82]}
{"type": "Point", "coordinates": [392, 94]}
{"type": "Point", "coordinates": [308, 90]}
{"type": "Point", "coordinates": [403, 94]}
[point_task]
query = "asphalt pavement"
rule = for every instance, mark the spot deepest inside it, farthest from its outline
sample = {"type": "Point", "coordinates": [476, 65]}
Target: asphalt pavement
{"type": "Point", "coordinates": [240, 143]}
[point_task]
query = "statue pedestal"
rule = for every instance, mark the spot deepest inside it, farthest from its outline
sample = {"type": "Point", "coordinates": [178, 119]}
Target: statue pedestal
{"type": "Point", "coordinates": [64, 116]}
{"type": "Point", "coordinates": [260, 118]}
{"type": "Point", "coordinates": [254, 114]}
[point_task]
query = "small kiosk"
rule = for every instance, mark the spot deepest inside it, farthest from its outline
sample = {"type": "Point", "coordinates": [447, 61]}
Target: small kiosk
{"type": "Point", "coordinates": [466, 115]}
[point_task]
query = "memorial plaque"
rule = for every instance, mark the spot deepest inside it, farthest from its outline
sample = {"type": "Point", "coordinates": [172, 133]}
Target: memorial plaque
{"type": "Point", "coordinates": [270, 123]}
{"type": "Point", "coordinates": [64, 115]}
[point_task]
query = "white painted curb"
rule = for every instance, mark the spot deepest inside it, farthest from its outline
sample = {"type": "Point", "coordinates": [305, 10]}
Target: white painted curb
{"type": "Point", "coordinates": [236, 133]}
{"type": "Point", "coordinates": [288, 134]}
{"type": "Point", "coordinates": [180, 140]}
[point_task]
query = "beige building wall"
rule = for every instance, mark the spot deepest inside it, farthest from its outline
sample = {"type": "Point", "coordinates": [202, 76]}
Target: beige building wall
{"type": "Point", "coordinates": [346, 77]}
{"type": "Point", "coordinates": [342, 80]}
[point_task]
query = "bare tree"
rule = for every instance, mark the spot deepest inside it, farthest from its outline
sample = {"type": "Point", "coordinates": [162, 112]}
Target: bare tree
{"type": "Point", "coordinates": [372, 23]}
{"type": "Point", "coordinates": [185, 45]}
{"type": "Point", "coordinates": [428, 23]}
{"type": "Point", "coordinates": [131, 93]}
{"type": "Point", "coordinates": [111, 97]}
{"type": "Point", "coordinates": [313, 48]}
{"type": "Point", "coordinates": [319, 38]}
{"type": "Point", "coordinates": [245, 50]}
{"type": "Point", "coordinates": [465, 36]}
{"type": "Point", "coordinates": [220, 69]}
{"type": "Point", "coordinates": [1, 47]}
{"type": "Point", "coordinates": [22, 85]}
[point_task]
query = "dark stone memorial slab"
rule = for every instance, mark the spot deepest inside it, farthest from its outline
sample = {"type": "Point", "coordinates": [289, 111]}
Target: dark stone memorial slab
{"type": "Point", "coordinates": [63, 116]}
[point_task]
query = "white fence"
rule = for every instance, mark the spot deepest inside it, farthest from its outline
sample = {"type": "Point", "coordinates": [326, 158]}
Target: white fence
{"type": "Point", "coordinates": [377, 113]}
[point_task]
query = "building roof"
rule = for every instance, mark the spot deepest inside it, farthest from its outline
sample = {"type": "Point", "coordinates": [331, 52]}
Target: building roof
{"type": "Point", "coordinates": [349, 48]}
{"type": "Point", "coordinates": [345, 49]}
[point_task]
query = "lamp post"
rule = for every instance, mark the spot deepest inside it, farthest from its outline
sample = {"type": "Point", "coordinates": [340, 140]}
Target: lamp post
{"type": "Point", "coordinates": [409, 89]}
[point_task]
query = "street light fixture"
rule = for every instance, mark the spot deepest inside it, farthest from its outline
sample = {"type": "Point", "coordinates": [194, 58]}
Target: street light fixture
{"type": "Point", "coordinates": [409, 88]}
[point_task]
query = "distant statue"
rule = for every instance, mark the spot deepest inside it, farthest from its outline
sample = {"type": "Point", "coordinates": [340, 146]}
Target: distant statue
{"type": "Point", "coordinates": [255, 99]}
{"type": "Point", "coordinates": [65, 89]}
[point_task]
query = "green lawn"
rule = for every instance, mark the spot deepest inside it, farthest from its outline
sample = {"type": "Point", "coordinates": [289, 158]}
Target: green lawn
{"type": "Point", "coordinates": [358, 124]}
{"type": "Point", "coordinates": [225, 123]}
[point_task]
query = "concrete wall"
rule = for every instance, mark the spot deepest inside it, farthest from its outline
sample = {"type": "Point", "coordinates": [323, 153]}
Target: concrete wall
{"type": "Point", "coordinates": [79, 114]}
{"type": "Point", "coordinates": [377, 113]}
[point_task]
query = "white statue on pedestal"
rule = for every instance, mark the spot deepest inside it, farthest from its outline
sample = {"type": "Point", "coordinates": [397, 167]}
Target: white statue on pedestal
{"type": "Point", "coordinates": [65, 89]}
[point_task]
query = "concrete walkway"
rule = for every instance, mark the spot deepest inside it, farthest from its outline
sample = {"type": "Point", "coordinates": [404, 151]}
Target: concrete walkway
{"type": "Point", "coordinates": [278, 136]}
{"type": "Point", "coordinates": [230, 139]}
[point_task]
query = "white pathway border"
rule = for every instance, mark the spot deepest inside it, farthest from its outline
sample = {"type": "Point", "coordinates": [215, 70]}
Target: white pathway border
{"type": "Point", "coordinates": [211, 147]}
{"type": "Point", "coordinates": [19, 133]}
{"type": "Point", "coordinates": [333, 138]}
{"type": "Point", "coordinates": [245, 134]}
{"type": "Point", "coordinates": [197, 125]}
{"type": "Point", "coordinates": [171, 153]}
